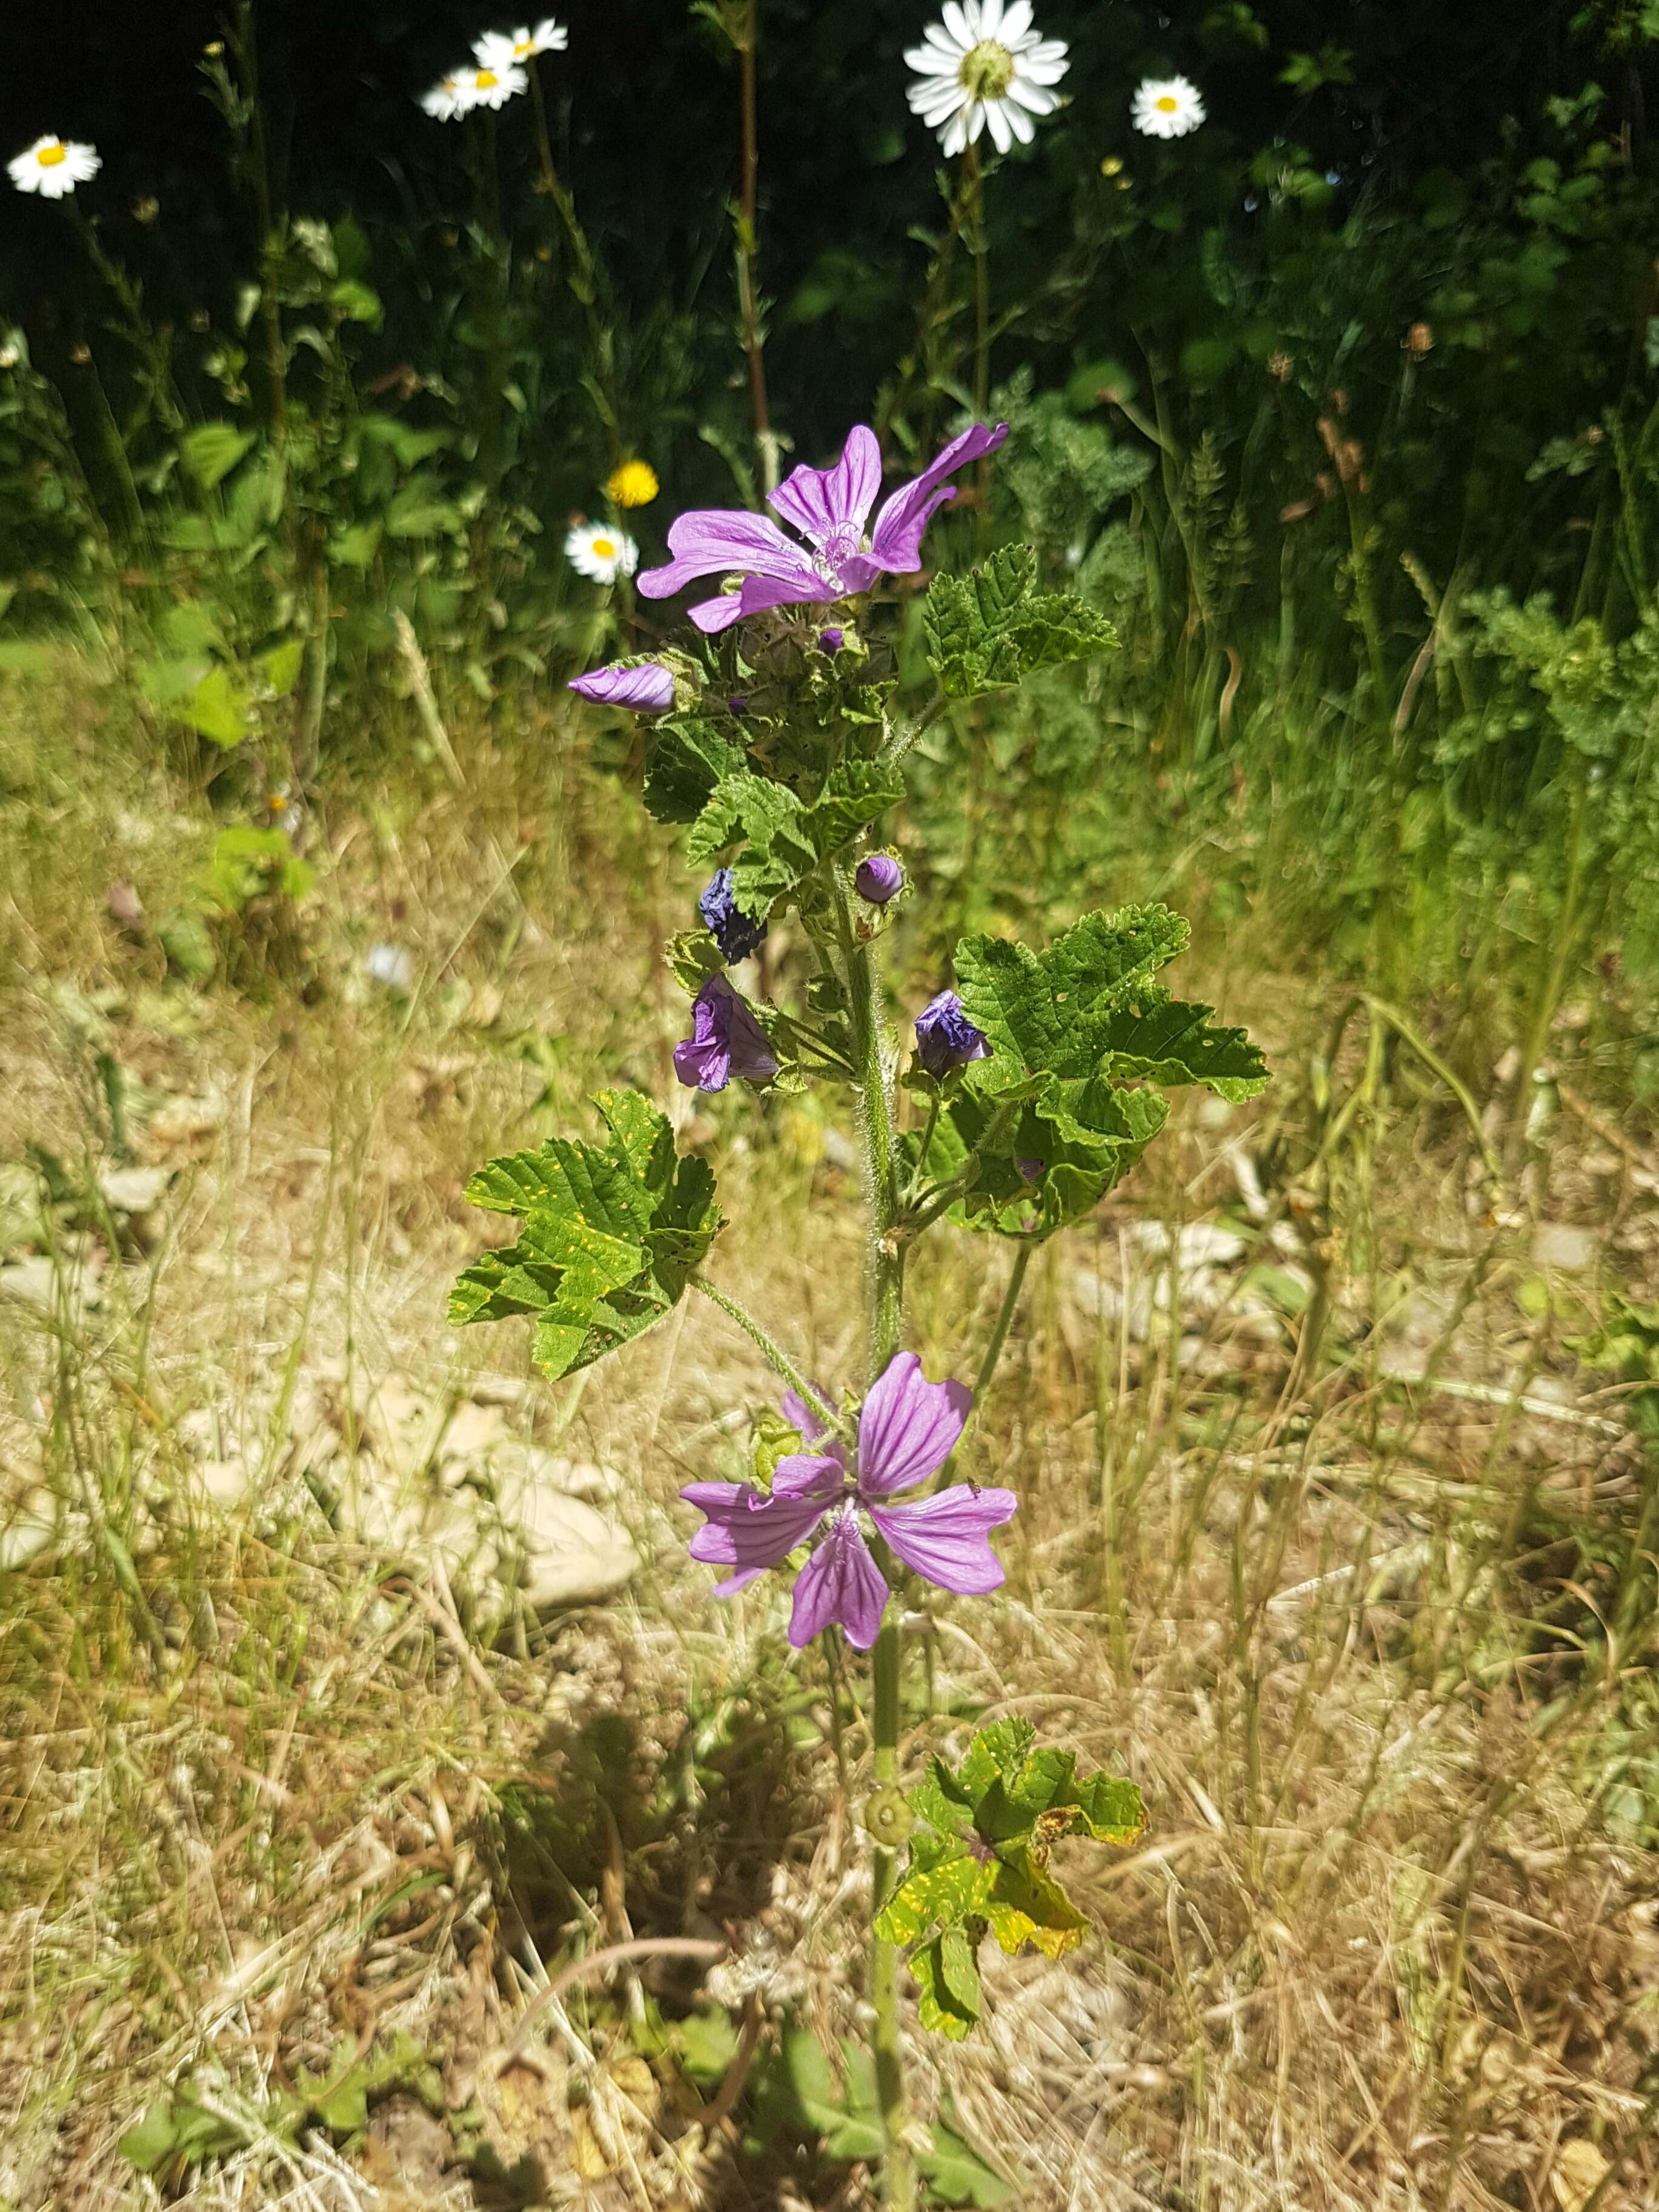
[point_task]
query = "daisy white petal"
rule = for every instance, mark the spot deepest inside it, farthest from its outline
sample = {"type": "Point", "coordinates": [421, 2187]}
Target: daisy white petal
{"type": "Point", "coordinates": [53, 167]}
{"type": "Point", "coordinates": [597, 550]}
{"type": "Point", "coordinates": [1167, 107]}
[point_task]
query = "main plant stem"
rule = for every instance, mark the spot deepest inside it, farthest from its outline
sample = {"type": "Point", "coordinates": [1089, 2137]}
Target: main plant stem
{"type": "Point", "coordinates": [874, 1062]}
{"type": "Point", "coordinates": [754, 344]}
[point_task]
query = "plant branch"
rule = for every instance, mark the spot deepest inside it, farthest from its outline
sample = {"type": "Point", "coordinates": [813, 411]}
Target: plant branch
{"type": "Point", "coordinates": [774, 1354]}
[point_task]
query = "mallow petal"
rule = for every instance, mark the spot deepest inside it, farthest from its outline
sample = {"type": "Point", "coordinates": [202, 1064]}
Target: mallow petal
{"type": "Point", "coordinates": [946, 1538]}
{"type": "Point", "coordinates": [799, 1415]}
{"type": "Point", "coordinates": [648, 690]}
{"type": "Point", "coordinates": [909, 1426]}
{"type": "Point", "coordinates": [840, 1583]}
{"type": "Point", "coordinates": [821, 502]}
{"type": "Point", "coordinates": [896, 540]}
{"type": "Point", "coordinates": [708, 541]}
{"type": "Point", "coordinates": [810, 1474]}
{"type": "Point", "coordinates": [714, 615]}
{"type": "Point", "coordinates": [746, 1529]}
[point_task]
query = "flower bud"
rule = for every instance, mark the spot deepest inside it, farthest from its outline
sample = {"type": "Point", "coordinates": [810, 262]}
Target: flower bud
{"type": "Point", "coordinates": [945, 1038]}
{"type": "Point", "coordinates": [878, 878]}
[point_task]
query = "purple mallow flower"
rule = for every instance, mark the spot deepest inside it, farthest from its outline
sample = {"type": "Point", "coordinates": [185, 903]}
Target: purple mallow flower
{"type": "Point", "coordinates": [878, 878]}
{"type": "Point", "coordinates": [1031, 1170]}
{"type": "Point", "coordinates": [725, 921]}
{"type": "Point", "coordinates": [831, 640]}
{"type": "Point", "coordinates": [907, 1429]}
{"type": "Point", "coordinates": [945, 1038]}
{"type": "Point", "coordinates": [725, 1040]}
{"type": "Point", "coordinates": [649, 690]}
{"type": "Point", "coordinates": [829, 509]}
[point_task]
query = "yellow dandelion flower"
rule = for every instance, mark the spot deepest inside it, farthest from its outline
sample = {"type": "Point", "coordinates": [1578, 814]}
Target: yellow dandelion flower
{"type": "Point", "coordinates": [634, 484]}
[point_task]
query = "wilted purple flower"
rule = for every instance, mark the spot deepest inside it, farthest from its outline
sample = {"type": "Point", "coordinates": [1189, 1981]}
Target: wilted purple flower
{"type": "Point", "coordinates": [878, 878]}
{"type": "Point", "coordinates": [907, 1429]}
{"type": "Point", "coordinates": [830, 508]}
{"type": "Point", "coordinates": [649, 689]}
{"type": "Point", "coordinates": [945, 1038]}
{"type": "Point", "coordinates": [1031, 1170]}
{"type": "Point", "coordinates": [738, 704]}
{"type": "Point", "coordinates": [830, 641]}
{"type": "Point", "coordinates": [725, 1040]}
{"type": "Point", "coordinates": [725, 921]}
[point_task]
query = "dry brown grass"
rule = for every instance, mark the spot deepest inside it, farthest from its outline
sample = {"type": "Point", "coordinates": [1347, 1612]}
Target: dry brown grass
{"type": "Point", "coordinates": [1340, 1611]}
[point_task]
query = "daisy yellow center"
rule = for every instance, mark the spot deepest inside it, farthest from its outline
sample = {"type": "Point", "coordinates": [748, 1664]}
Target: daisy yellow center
{"type": "Point", "coordinates": [523, 47]}
{"type": "Point", "coordinates": [51, 157]}
{"type": "Point", "coordinates": [1167, 103]}
{"type": "Point", "coordinates": [987, 70]}
{"type": "Point", "coordinates": [488, 80]}
{"type": "Point", "coordinates": [605, 549]}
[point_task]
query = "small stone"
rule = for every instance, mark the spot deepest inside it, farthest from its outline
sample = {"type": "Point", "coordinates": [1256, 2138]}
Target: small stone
{"type": "Point", "coordinates": [572, 1555]}
{"type": "Point", "coordinates": [133, 1190]}
{"type": "Point", "coordinates": [1557, 1245]}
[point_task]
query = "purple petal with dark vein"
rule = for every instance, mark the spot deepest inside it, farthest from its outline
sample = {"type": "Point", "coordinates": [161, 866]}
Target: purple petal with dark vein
{"type": "Point", "coordinates": [810, 1474]}
{"type": "Point", "coordinates": [946, 1537]}
{"type": "Point", "coordinates": [821, 501]}
{"type": "Point", "coordinates": [710, 541]}
{"type": "Point", "coordinates": [895, 542]}
{"type": "Point", "coordinates": [799, 1415]}
{"type": "Point", "coordinates": [712, 616]}
{"type": "Point", "coordinates": [747, 1529]}
{"type": "Point", "coordinates": [908, 1427]}
{"type": "Point", "coordinates": [649, 690]}
{"type": "Point", "coordinates": [808, 589]}
{"type": "Point", "coordinates": [841, 1582]}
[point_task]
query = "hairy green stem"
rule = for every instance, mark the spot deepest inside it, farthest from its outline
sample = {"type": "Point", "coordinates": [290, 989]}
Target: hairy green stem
{"type": "Point", "coordinates": [886, 1291]}
{"type": "Point", "coordinates": [773, 1352]}
{"type": "Point", "coordinates": [987, 1366]}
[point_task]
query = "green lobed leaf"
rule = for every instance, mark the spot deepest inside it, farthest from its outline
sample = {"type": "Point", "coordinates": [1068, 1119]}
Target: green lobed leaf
{"type": "Point", "coordinates": [955, 1888]}
{"type": "Point", "coordinates": [1053, 1010]}
{"type": "Point", "coordinates": [689, 759]}
{"type": "Point", "coordinates": [779, 839]}
{"type": "Point", "coordinates": [948, 1985]}
{"type": "Point", "coordinates": [611, 1238]}
{"type": "Point", "coordinates": [993, 627]}
{"type": "Point", "coordinates": [1028, 1905]}
{"type": "Point", "coordinates": [956, 2174]}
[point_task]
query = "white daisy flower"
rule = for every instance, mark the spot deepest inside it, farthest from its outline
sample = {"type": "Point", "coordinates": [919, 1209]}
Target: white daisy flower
{"type": "Point", "coordinates": [984, 68]}
{"type": "Point", "coordinates": [451, 97]}
{"type": "Point", "coordinates": [53, 167]}
{"type": "Point", "coordinates": [596, 550]}
{"type": "Point", "coordinates": [492, 84]}
{"type": "Point", "coordinates": [522, 46]}
{"type": "Point", "coordinates": [1168, 108]}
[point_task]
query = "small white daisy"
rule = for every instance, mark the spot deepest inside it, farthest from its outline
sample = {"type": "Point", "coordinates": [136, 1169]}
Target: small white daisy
{"type": "Point", "coordinates": [53, 167]}
{"type": "Point", "coordinates": [984, 68]}
{"type": "Point", "coordinates": [451, 97]}
{"type": "Point", "coordinates": [493, 84]}
{"type": "Point", "coordinates": [1168, 108]}
{"type": "Point", "coordinates": [596, 550]}
{"type": "Point", "coordinates": [522, 46]}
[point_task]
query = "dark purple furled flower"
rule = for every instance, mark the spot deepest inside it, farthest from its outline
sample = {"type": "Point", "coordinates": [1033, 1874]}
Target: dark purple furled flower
{"type": "Point", "coordinates": [1031, 1170]}
{"type": "Point", "coordinates": [725, 1040]}
{"type": "Point", "coordinates": [725, 921]}
{"type": "Point", "coordinates": [649, 690]}
{"type": "Point", "coordinates": [738, 704]}
{"type": "Point", "coordinates": [878, 878]}
{"type": "Point", "coordinates": [907, 1429]}
{"type": "Point", "coordinates": [945, 1038]}
{"type": "Point", "coordinates": [831, 640]}
{"type": "Point", "coordinates": [829, 509]}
